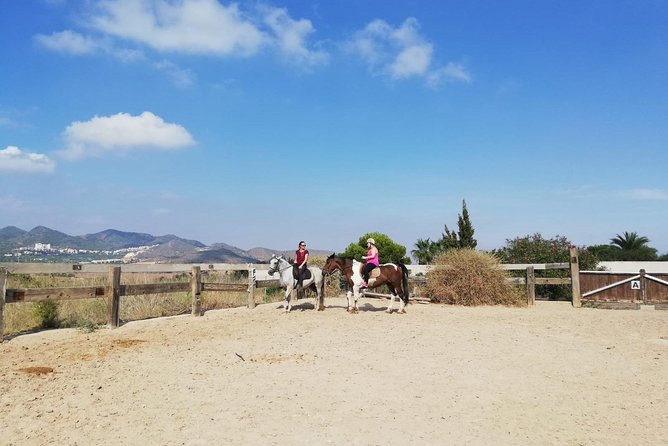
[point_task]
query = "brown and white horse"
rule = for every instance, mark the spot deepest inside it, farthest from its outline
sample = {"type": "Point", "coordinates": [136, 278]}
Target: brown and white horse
{"type": "Point", "coordinates": [394, 276]}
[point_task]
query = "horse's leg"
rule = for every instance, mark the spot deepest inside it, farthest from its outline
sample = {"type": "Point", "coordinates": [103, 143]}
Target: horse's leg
{"type": "Point", "coordinates": [349, 296]}
{"type": "Point", "coordinates": [402, 303]}
{"type": "Point", "coordinates": [390, 307]}
{"type": "Point", "coordinates": [320, 295]}
{"type": "Point", "coordinates": [356, 296]}
{"type": "Point", "coordinates": [403, 300]}
{"type": "Point", "coordinates": [288, 295]}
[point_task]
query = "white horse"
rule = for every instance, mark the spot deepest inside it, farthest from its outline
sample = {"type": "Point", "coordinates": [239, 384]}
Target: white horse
{"type": "Point", "coordinates": [285, 276]}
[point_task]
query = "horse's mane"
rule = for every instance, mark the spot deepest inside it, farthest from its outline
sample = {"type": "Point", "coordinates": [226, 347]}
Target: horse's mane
{"type": "Point", "coordinates": [346, 259]}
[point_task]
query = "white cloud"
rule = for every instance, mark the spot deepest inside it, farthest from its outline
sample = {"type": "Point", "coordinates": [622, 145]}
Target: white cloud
{"type": "Point", "coordinates": [645, 194]}
{"type": "Point", "coordinates": [123, 133]}
{"type": "Point", "coordinates": [13, 159]}
{"type": "Point", "coordinates": [411, 61]}
{"type": "Point", "coordinates": [190, 27]}
{"type": "Point", "coordinates": [180, 76]}
{"type": "Point", "coordinates": [195, 26]}
{"type": "Point", "coordinates": [451, 72]}
{"type": "Point", "coordinates": [69, 42]}
{"type": "Point", "coordinates": [291, 36]}
{"type": "Point", "coordinates": [402, 53]}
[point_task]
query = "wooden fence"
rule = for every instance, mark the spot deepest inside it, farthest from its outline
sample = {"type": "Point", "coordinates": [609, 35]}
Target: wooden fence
{"type": "Point", "coordinates": [606, 289]}
{"type": "Point", "coordinates": [114, 289]}
{"type": "Point", "coordinates": [531, 280]}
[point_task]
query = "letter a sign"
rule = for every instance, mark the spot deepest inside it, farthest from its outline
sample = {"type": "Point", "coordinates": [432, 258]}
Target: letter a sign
{"type": "Point", "coordinates": [635, 284]}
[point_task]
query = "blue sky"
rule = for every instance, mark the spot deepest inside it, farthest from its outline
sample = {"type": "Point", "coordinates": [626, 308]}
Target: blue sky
{"type": "Point", "coordinates": [264, 123]}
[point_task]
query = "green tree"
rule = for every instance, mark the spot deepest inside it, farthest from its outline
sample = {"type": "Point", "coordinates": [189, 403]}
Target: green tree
{"type": "Point", "coordinates": [449, 240]}
{"type": "Point", "coordinates": [631, 246]}
{"type": "Point", "coordinates": [628, 246]}
{"type": "Point", "coordinates": [465, 229]}
{"type": "Point", "coordinates": [606, 252]}
{"type": "Point", "coordinates": [629, 241]}
{"type": "Point", "coordinates": [463, 238]}
{"type": "Point", "coordinates": [536, 249]}
{"type": "Point", "coordinates": [389, 251]}
{"type": "Point", "coordinates": [425, 251]}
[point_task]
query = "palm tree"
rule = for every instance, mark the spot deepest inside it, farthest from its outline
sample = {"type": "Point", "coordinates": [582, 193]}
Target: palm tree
{"type": "Point", "coordinates": [424, 251]}
{"type": "Point", "coordinates": [629, 241]}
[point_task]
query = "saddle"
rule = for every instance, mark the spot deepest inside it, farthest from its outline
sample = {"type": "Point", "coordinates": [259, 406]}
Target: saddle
{"type": "Point", "coordinates": [373, 275]}
{"type": "Point", "coordinates": [307, 273]}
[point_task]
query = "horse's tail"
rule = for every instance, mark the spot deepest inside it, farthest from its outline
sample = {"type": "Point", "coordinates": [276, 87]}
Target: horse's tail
{"type": "Point", "coordinates": [404, 282]}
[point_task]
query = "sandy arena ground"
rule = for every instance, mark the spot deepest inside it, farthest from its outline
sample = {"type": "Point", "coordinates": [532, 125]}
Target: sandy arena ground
{"type": "Point", "coordinates": [438, 375]}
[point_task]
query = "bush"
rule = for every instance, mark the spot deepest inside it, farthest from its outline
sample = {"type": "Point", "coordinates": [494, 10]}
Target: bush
{"type": "Point", "coordinates": [536, 249]}
{"type": "Point", "coordinates": [469, 277]}
{"type": "Point", "coordinates": [46, 312]}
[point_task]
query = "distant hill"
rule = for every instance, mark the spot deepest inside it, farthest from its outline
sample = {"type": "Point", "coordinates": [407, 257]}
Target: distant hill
{"type": "Point", "coordinates": [164, 249]}
{"type": "Point", "coordinates": [11, 231]}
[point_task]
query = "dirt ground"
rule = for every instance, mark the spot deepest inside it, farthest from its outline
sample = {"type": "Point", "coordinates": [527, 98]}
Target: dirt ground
{"type": "Point", "coordinates": [438, 375]}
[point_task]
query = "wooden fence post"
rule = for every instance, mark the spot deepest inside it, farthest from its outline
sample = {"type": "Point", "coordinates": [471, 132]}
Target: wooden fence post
{"type": "Point", "coordinates": [575, 277]}
{"type": "Point", "coordinates": [195, 290]}
{"type": "Point", "coordinates": [114, 299]}
{"type": "Point", "coordinates": [3, 291]}
{"type": "Point", "coordinates": [643, 282]}
{"type": "Point", "coordinates": [531, 286]}
{"type": "Point", "coordinates": [251, 286]}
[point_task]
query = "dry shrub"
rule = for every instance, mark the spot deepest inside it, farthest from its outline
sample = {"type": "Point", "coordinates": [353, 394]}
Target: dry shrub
{"type": "Point", "coordinates": [469, 277]}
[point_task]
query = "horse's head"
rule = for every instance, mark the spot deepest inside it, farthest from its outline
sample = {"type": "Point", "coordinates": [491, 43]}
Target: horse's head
{"type": "Point", "coordinates": [332, 264]}
{"type": "Point", "coordinates": [274, 263]}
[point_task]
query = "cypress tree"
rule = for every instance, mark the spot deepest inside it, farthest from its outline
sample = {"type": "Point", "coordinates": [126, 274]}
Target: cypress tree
{"type": "Point", "coordinates": [466, 230]}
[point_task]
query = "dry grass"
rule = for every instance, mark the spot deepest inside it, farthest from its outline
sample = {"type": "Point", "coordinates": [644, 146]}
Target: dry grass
{"type": "Point", "coordinates": [469, 277]}
{"type": "Point", "coordinates": [90, 313]}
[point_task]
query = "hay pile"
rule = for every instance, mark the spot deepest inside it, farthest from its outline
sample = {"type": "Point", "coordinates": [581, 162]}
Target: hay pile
{"type": "Point", "coordinates": [469, 277]}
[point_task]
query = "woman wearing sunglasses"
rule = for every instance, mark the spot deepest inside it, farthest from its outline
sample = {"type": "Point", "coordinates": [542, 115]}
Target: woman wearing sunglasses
{"type": "Point", "coordinates": [301, 258]}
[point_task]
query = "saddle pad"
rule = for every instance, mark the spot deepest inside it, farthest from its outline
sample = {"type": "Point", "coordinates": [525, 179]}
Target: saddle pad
{"type": "Point", "coordinates": [307, 273]}
{"type": "Point", "coordinates": [375, 272]}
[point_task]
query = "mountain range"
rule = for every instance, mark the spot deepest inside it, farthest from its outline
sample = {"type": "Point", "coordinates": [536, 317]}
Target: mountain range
{"type": "Point", "coordinates": [163, 249]}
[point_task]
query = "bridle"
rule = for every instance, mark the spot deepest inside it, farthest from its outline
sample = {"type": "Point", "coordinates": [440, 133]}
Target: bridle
{"type": "Point", "coordinates": [278, 269]}
{"type": "Point", "coordinates": [337, 265]}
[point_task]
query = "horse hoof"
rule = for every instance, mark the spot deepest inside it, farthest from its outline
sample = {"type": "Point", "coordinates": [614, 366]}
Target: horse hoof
{"type": "Point", "coordinates": [389, 311]}
{"type": "Point", "coordinates": [402, 312]}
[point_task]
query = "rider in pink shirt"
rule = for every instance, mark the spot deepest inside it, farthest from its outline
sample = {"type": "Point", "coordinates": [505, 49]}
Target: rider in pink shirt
{"type": "Point", "coordinates": [371, 258]}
